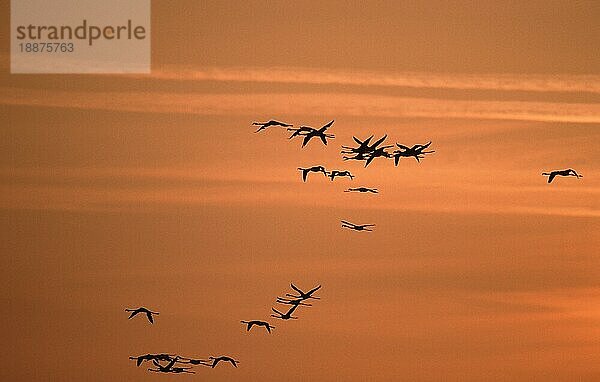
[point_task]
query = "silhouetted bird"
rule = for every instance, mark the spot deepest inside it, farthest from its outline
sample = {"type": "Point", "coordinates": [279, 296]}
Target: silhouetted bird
{"type": "Point", "coordinates": [378, 152]}
{"type": "Point", "coordinates": [363, 146]}
{"type": "Point", "coordinates": [223, 358]}
{"type": "Point", "coordinates": [335, 173]}
{"type": "Point", "coordinates": [149, 313]}
{"type": "Point", "coordinates": [310, 134]}
{"type": "Point", "coordinates": [357, 227]}
{"type": "Point", "coordinates": [305, 171]}
{"type": "Point", "coordinates": [264, 125]}
{"type": "Point", "coordinates": [304, 295]}
{"type": "Point", "coordinates": [302, 130]}
{"type": "Point", "coordinates": [150, 357]}
{"type": "Point", "coordinates": [416, 152]}
{"type": "Point", "coordinates": [287, 301]}
{"type": "Point", "coordinates": [362, 189]}
{"type": "Point", "coordinates": [164, 369]}
{"type": "Point", "coordinates": [568, 172]}
{"type": "Point", "coordinates": [285, 316]}
{"type": "Point", "coordinates": [193, 361]}
{"type": "Point", "coordinates": [258, 323]}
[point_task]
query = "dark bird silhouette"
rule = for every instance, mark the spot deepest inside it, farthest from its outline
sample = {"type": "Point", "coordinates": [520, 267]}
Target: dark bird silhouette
{"type": "Point", "coordinates": [304, 295]}
{"type": "Point", "coordinates": [285, 316]}
{"type": "Point", "coordinates": [264, 125]}
{"type": "Point", "coordinates": [305, 171]}
{"type": "Point", "coordinates": [150, 357]}
{"type": "Point", "coordinates": [288, 301]}
{"type": "Point", "coordinates": [363, 146]}
{"type": "Point", "coordinates": [335, 173]}
{"type": "Point", "coordinates": [568, 172]}
{"type": "Point", "coordinates": [148, 312]}
{"type": "Point", "coordinates": [317, 133]}
{"type": "Point", "coordinates": [170, 368]}
{"type": "Point", "coordinates": [416, 151]}
{"type": "Point", "coordinates": [193, 361]}
{"type": "Point", "coordinates": [362, 189]}
{"type": "Point", "coordinates": [223, 358]}
{"type": "Point", "coordinates": [378, 152]}
{"type": "Point", "coordinates": [257, 323]}
{"type": "Point", "coordinates": [357, 227]}
{"type": "Point", "coordinates": [302, 130]}
{"type": "Point", "coordinates": [164, 369]}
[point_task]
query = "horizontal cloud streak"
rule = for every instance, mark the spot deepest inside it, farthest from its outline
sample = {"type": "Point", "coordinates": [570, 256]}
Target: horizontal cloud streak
{"type": "Point", "coordinates": [305, 104]}
{"type": "Point", "coordinates": [504, 82]}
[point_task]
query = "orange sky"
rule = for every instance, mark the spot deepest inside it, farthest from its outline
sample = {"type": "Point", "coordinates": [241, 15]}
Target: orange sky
{"type": "Point", "coordinates": [152, 190]}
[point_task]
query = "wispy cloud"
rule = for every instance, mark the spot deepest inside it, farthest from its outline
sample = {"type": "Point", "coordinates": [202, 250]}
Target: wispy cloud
{"type": "Point", "coordinates": [344, 104]}
{"type": "Point", "coordinates": [507, 82]}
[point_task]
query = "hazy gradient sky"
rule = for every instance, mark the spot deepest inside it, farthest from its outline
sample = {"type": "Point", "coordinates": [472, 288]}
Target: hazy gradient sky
{"type": "Point", "coordinates": [152, 190]}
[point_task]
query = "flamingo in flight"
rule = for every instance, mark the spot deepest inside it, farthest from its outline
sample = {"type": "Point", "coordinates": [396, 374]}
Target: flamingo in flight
{"type": "Point", "coordinates": [362, 189]}
{"type": "Point", "coordinates": [310, 134]}
{"type": "Point", "coordinates": [568, 172]}
{"type": "Point", "coordinates": [264, 125]}
{"type": "Point", "coordinates": [357, 227]}
{"type": "Point", "coordinates": [141, 309]}
{"type": "Point", "coordinates": [304, 295]}
{"type": "Point", "coordinates": [257, 323]}
{"type": "Point", "coordinates": [216, 360]}
{"type": "Point", "coordinates": [305, 171]}
{"type": "Point", "coordinates": [285, 316]}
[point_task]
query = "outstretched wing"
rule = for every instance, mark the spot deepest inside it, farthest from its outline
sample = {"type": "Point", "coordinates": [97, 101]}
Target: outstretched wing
{"type": "Point", "coordinates": [314, 290]}
{"type": "Point", "coordinates": [378, 142]}
{"type": "Point", "coordinates": [327, 126]}
{"type": "Point", "coordinates": [133, 314]}
{"type": "Point", "coordinates": [296, 288]}
{"type": "Point", "coordinates": [306, 140]}
{"type": "Point", "coordinates": [149, 315]}
{"type": "Point", "coordinates": [551, 177]}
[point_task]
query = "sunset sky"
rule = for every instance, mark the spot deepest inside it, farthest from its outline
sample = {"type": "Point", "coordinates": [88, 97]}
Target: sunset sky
{"type": "Point", "coordinates": [153, 190]}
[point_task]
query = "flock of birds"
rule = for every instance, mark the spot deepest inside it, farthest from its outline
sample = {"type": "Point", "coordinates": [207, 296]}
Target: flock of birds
{"type": "Point", "coordinates": [174, 364]}
{"type": "Point", "coordinates": [364, 151]}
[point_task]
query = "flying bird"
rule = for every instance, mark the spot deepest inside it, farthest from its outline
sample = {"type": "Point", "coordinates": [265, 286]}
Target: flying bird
{"type": "Point", "coordinates": [568, 172]}
{"type": "Point", "coordinates": [304, 295]}
{"type": "Point", "coordinates": [310, 133]}
{"type": "Point", "coordinates": [257, 323]}
{"type": "Point", "coordinates": [416, 151]}
{"type": "Point", "coordinates": [149, 357]}
{"type": "Point", "coordinates": [264, 125]}
{"type": "Point", "coordinates": [193, 361]}
{"type": "Point", "coordinates": [164, 369]}
{"type": "Point", "coordinates": [335, 173]}
{"type": "Point", "coordinates": [285, 316]}
{"type": "Point", "coordinates": [305, 171]}
{"type": "Point", "coordinates": [288, 301]}
{"type": "Point", "coordinates": [378, 152]}
{"type": "Point", "coordinates": [148, 312]}
{"type": "Point", "coordinates": [362, 189]}
{"type": "Point", "coordinates": [364, 147]}
{"type": "Point", "coordinates": [302, 130]}
{"type": "Point", "coordinates": [223, 358]}
{"type": "Point", "coordinates": [357, 227]}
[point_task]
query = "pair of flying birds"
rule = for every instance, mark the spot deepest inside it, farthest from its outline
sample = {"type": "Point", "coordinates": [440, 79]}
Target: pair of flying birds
{"type": "Point", "coordinates": [303, 131]}
{"type": "Point", "coordinates": [328, 174]}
